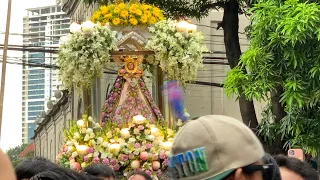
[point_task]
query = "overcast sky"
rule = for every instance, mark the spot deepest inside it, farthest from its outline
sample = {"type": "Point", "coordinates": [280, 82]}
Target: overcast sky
{"type": "Point", "coordinates": [11, 125]}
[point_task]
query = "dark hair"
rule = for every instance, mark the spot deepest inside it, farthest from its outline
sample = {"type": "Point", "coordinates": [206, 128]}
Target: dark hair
{"type": "Point", "coordinates": [99, 170]}
{"type": "Point", "coordinates": [59, 173]}
{"type": "Point", "coordinates": [274, 172]}
{"type": "Point", "coordinates": [146, 176]}
{"type": "Point", "coordinates": [32, 166]}
{"type": "Point", "coordinates": [299, 167]}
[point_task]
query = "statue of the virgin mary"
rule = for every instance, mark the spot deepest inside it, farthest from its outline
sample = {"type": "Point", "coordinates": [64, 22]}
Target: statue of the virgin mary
{"type": "Point", "coordinates": [129, 96]}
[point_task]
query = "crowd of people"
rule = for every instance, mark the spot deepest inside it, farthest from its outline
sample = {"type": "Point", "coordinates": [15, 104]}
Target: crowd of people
{"type": "Point", "coordinates": [209, 148]}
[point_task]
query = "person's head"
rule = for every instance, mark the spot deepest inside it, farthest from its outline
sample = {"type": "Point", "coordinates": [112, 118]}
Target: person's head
{"type": "Point", "coordinates": [32, 166]}
{"type": "Point", "coordinates": [295, 169]}
{"type": "Point", "coordinates": [274, 172]}
{"type": "Point", "coordinates": [100, 170]}
{"type": "Point", "coordinates": [59, 173]}
{"type": "Point", "coordinates": [216, 148]}
{"type": "Point", "coordinates": [6, 169]}
{"type": "Point", "coordinates": [139, 176]}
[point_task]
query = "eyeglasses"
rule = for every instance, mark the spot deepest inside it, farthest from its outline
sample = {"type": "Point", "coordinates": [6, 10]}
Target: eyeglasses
{"type": "Point", "coordinates": [254, 168]}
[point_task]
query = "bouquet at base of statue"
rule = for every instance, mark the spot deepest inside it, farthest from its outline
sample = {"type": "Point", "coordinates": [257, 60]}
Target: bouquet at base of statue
{"type": "Point", "coordinates": [136, 146]}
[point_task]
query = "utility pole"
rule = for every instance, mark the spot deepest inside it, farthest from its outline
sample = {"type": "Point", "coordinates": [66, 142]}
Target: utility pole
{"type": "Point", "coordinates": [4, 62]}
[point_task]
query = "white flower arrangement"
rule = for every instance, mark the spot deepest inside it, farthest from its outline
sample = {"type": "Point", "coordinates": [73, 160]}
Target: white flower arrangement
{"type": "Point", "coordinates": [85, 55]}
{"type": "Point", "coordinates": [179, 54]}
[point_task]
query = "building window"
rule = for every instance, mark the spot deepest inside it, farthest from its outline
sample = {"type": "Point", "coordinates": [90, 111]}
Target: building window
{"type": "Point", "coordinates": [36, 97]}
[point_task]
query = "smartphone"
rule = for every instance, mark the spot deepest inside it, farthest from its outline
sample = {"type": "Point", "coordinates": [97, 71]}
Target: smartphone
{"type": "Point", "coordinates": [296, 153]}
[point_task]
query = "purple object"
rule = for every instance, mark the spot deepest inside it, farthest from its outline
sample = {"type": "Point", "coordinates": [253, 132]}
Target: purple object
{"type": "Point", "coordinates": [175, 96]}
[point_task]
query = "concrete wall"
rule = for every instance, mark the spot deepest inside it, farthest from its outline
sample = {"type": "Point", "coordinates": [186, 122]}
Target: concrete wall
{"type": "Point", "coordinates": [49, 134]}
{"type": "Point", "coordinates": [204, 100]}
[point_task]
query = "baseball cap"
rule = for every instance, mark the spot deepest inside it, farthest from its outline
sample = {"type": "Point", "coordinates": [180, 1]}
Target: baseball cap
{"type": "Point", "coordinates": [212, 147]}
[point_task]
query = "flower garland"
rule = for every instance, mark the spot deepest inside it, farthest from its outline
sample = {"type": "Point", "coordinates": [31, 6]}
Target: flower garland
{"type": "Point", "coordinates": [85, 54]}
{"type": "Point", "coordinates": [129, 14]}
{"type": "Point", "coordinates": [179, 54]}
{"type": "Point", "coordinates": [139, 145]}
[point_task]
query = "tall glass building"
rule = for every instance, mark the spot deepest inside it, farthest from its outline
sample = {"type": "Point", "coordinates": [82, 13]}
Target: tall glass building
{"type": "Point", "coordinates": [42, 28]}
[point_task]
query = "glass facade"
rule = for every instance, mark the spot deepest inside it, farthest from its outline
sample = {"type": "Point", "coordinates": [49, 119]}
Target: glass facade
{"type": "Point", "coordinates": [42, 23]}
{"type": "Point", "coordinates": [31, 128]}
{"type": "Point", "coordinates": [36, 90]}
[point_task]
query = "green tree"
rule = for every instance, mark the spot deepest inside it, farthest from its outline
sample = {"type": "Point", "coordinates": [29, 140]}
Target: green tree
{"type": "Point", "coordinates": [282, 67]}
{"type": "Point", "coordinates": [13, 154]}
{"type": "Point", "coordinates": [230, 24]}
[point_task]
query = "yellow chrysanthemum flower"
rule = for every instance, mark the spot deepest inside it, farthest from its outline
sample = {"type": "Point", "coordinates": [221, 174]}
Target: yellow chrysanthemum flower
{"type": "Point", "coordinates": [152, 20]}
{"type": "Point", "coordinates": [138, 12]}
{"type": "Point", "coordinates": [147, 13]}
{"type": "Point", "coordinates": [94, 17]}
{"type": "Point", "coordinates": [144, 19]}
{"type": "Point", "coordinates": [116, 21]}
{"type": "Point", "coordinates": [107, 16]}
{"type": "Point", "coordinates": [122, 5]}
{"type": "Point", "coordinates": [124, 13]}
{"type": "Point", "coordinates": [116, 10]}
{"type": "Point", "coordinates": [133, 8]}
{"type": "Point", "coordinates": [145, 7]}
{"type": "Point", "coordinates": [133, 21]}
{"type": "Point", "coordinates": [104, 10]}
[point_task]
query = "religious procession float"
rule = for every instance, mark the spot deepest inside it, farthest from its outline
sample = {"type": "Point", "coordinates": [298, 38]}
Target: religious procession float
{"type": "Point", "coordinates": [132, 134]}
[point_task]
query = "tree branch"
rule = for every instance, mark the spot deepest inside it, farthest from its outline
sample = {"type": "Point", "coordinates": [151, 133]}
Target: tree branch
{"type": "Point", "coordinates": [215, 5]}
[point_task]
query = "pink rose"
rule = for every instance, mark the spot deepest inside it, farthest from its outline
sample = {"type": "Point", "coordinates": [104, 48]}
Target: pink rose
{"type": "Point", "coordinates": [75, 166]}
{"type": "Point", "coordinates": [142, 84]}
{"type": "Point", "coordinates": [140, 127]}
{"type": "Point", "coordinates": [110, 109]}
{"type": "Point", "coordinates": [111, 99]}
{"type": "Point", "coordinates": [116, 85]}
{"type": "Point", "coordinates": [144, 156]}
{"type": "Point", "coordinates": [131, 156]}
{"type": "Point", "coordinates": [85, 159]}
{"type": "Point", "coordinates": [137, 145]}
{"type": "Point", "coordinates": [155, 165]}
{"type": "Point", "coordinates": [124, 157]}
{"type": "Point", "coordinates": [106, 161]}
{"type": "Point", "coordinates": [122, 71]}
{"type": "Point", "coordinates": [162, 155]}
{"type": "Point", "coordinates": [96, 160]}
{"type": "Point", "coordinates": [116, 167]}
{"type": "Point", "coordinates": [148, 146]}
{"type": "Point", "coordinates": [103, 114]}
{"type": "Point", "coordinates": [102, 124]}
{"type": "Point", "coordinates": [115, 95]}
{"type": "Point", "coordinates": [155, 157]}
{"type": "Point", "coordinates": [159, 173]}
{"type": "Point", "coordinates": [113, 162]}
{"type": "Point", "coordinates": [148, 172]}
{"type": "Point", "coordinates": [135, 164]}
{"type": "Point", "coordinates": [90, 150]}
